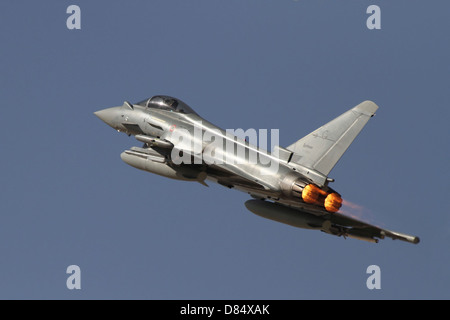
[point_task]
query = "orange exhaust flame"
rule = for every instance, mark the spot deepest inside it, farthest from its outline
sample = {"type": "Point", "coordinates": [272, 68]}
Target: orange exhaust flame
{"type": "Point", "coordinates": [333, 202]}
{"type": "Point", "coordinates": [314, 195]}
{"type": "Point", "coordinates": [311, 194]}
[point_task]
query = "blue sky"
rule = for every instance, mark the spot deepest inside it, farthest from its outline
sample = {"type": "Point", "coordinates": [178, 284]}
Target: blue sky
{"type": "Point", "coordinates": [67, 198]}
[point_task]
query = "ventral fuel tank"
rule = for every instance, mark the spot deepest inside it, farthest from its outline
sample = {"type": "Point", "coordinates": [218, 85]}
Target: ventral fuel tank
{"type": "Point", "coordinates": [283, 214]}
{"type": "Point", "coordinates": [151, 161]}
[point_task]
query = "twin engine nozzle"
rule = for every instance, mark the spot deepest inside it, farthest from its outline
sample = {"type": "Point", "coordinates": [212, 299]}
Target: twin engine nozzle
{"type": "Point", "coordinates": [312, 194]}
{"type": "Point", "coordinates": [332, 201]}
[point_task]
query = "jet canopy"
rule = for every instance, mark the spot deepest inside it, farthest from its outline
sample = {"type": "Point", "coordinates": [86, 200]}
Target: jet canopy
{"type": "Point", "coordinates": [167, 103]}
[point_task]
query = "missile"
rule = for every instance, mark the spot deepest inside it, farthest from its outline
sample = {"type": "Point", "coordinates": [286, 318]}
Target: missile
{"type": "Point", "coordinates": [368, 239]}
{"type": "Point", "coordinates": [154, 141]}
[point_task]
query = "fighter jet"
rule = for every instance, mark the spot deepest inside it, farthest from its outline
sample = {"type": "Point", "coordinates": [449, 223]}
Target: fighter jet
{"type": "Point", "coordinates": [289, 185]}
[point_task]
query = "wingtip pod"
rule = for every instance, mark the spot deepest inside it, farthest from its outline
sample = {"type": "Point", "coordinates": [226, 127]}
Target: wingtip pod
{"type": "Point", "coordinates": [400, 236]}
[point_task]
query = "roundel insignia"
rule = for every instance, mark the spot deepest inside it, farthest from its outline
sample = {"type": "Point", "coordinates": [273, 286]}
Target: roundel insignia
{"type": "Point", "coordinates": [172, 128]}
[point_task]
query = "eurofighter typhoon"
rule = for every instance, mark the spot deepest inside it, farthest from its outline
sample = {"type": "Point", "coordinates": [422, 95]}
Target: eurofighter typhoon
{"type": "Point", "coordinates": [289, 185]}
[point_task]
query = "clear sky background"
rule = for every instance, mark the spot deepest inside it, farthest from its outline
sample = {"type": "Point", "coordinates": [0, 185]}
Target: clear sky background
{"type": "Point", "coordinates": [67, 198]}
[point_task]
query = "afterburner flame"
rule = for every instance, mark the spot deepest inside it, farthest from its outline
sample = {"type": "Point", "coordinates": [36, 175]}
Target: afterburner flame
{"type": "Point", "coordinates": [314, 195]}
{"type": "Point", "coordinates": [333, 202]}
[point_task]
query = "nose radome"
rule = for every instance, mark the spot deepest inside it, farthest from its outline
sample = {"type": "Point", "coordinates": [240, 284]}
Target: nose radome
{"type": "Point", "coordinates": [107, 116]}
{"type": "Point", "coordinates": [103, 115]}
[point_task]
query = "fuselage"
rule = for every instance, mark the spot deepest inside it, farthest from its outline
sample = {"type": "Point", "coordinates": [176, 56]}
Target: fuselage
{"type": "Point", "coordinates": [197, 145]}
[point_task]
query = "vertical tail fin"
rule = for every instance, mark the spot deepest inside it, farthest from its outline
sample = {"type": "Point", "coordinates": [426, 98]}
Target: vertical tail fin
{"type": "Point", "coordinates": [321, 149]}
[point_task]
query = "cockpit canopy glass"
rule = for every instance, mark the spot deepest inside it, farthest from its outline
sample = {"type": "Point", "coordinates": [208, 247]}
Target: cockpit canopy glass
{"type": "Point", "coordinates": [167, 103]}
